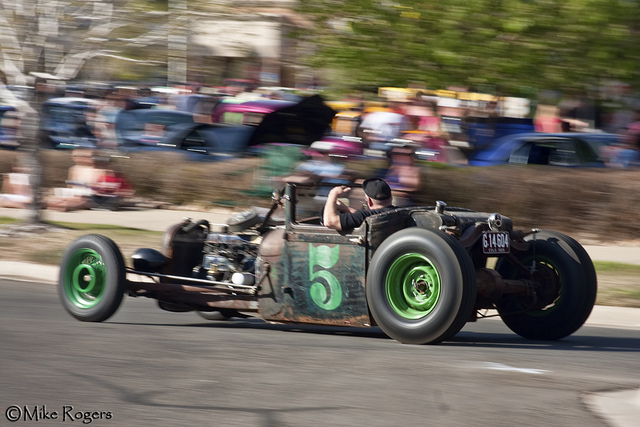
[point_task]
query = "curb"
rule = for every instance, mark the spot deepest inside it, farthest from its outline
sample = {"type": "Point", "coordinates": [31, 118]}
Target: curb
{"type": "Point", "coordinates": [620, 408]}
{"type": "Point", "coordinates": [601, 316]}
{"type": "Point", "coordinates": [27, 271]}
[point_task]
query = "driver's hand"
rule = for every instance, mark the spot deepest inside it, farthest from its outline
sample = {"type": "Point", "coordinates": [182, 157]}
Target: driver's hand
{"type": "Point", "coordinates": [340, 190]}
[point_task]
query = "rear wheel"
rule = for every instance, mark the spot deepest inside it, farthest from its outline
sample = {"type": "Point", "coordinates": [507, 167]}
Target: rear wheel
{"type": "Point", "coordinates": [92, 278]}
{"type": "Point", "coordinates": [421, 286]}
{"type": "Point", "coordinates": [564, 293]}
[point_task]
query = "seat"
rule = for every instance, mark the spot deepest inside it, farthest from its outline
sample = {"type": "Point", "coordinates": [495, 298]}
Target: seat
{"type": "Point", "coordinates": [384, 224]}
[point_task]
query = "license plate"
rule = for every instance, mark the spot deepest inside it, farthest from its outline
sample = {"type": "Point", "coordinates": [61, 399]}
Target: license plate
{"type": "Point", "coordinates": [495, 242]}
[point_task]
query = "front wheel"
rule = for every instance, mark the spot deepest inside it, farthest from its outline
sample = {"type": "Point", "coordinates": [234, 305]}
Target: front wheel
{"type": "Point", "coordinates": [92, 278]}
{"type": "Point", "coordinates": [564, 292]}
{"type": "Point", "coordinates": [421, 286]}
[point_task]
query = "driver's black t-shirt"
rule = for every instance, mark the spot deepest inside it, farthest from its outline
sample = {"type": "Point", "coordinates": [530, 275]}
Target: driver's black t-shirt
{"type": "Point", "coordinates": [349, 221]}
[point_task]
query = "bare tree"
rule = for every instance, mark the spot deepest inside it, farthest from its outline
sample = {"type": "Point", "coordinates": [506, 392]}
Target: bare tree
{"type": "Point", "coordinates": [51, 41]}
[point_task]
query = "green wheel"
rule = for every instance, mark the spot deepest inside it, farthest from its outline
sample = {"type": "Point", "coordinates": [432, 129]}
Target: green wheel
{"type": "Point", "coordinates": [413, 286]}
{"type": "Point", "coordinates": [421, 286]}
{"type": "Point", "coordinates": [92, 278]}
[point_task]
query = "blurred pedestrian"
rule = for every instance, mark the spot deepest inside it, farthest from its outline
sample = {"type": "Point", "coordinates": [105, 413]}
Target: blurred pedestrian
{"type": "Point", "coordinates": [16, 187]}
{"type": "Point", "coordinates": [403, 176]}
{"type": "Point", "coordinates": [546, 119]}
{"type": "Point", "coordinates": [382, 126]}
{"type": "Point", "coordinates": [628, 155]}
{"type": "Point", "coordinates": [81, 179]}
{"type": "Point", "coordinates": [111, 192]}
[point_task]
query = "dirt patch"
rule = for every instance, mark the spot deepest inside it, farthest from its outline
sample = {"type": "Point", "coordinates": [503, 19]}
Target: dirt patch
{"type": "Point", "coordinates": [618, 290]}
{"type": "Point", "coordinates": [46, 245]}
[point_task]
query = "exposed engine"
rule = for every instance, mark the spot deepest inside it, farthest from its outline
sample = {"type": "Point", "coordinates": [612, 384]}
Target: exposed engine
{"type": "Point", "coordinates": [228, 258]}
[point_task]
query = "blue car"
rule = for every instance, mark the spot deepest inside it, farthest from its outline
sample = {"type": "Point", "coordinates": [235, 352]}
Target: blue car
{"type": "Point", "coordinates": [161, 130]}
{"type": "Point", "coordinates": [554, 149]}
{"type": "Point", "coordinates": [7, 134]}
{"type": "Point", "coordinates": [64, 123]}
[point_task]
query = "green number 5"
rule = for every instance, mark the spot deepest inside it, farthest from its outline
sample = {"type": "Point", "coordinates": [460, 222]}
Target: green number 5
{"type": "Point", "coordinates": [329, 295]}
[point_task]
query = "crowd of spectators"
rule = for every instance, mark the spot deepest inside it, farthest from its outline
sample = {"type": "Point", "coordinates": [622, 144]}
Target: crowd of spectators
{"type": "Point", "coordinates": [421, 123]}
{"type": "Point", "coordinates": [90, 184]}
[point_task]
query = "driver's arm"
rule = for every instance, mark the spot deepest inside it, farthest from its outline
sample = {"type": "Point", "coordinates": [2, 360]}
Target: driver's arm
{"type": "Point", "coordinates": [333, 207]}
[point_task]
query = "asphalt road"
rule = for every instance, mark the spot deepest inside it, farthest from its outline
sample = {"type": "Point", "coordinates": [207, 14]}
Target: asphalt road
{"type": "Point", "coordinates": [147, 367]}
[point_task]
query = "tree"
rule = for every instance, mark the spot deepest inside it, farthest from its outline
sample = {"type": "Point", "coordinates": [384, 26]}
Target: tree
{"type": "Point", "coordinates": [508, 44]}
{"type": "Point", "coordinates": [54, 39]}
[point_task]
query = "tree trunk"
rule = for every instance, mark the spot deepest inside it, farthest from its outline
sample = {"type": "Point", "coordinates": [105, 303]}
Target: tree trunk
{"type": "Point", "coordinates": [30, 144]}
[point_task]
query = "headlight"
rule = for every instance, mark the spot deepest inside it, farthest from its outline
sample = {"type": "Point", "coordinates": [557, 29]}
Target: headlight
{"type": "Point", "coordinates": [495, 222]}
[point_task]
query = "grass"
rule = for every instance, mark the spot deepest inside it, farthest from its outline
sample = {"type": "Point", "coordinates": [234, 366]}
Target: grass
{"type": "Point", "coordinates": [616, 267]}
{"type": "Point", "coordinates": [618, 284]}
{"type": "Point", "coordinates": [123, 231]}
{"type": "Point", "coordinates": [48, 247]}
{"type": "Point", "coordinates": [4, 220]}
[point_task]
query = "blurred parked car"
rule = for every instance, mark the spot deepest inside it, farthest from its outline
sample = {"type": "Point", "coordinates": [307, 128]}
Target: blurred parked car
{"type": "Point", "coordinates": [247, 112]}
{"type": "Point", "coordinates": [347, 122]}
{"type": "Point", "coordinates": [64, 123]}
{"type": "Point", "coordinates": [155, 129]}
{"type": "Point", "coordinates": [430, 147]}
{"type": "Point", "coordinates": [297, 123]}
{"type": "Point", "coordinates": [555, 149]}
{"type": "Point", "coordinates": [481, 131]}
{"type": "Point", "coordinates": [345, 146]}
{"type": "Point", "coordinates": [300, 124]}
{"type": "Point", "coordinates": [8, 128]}
{"type": "Point", "coordinates": [201, 106]}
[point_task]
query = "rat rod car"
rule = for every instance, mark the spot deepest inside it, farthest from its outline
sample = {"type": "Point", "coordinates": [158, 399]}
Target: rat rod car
{"type": "Point", "coordinates": [419, 273]}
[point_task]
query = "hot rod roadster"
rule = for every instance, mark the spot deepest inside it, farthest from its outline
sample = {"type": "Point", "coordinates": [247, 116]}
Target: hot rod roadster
{"type": "Point", "coordinates": [418, 273]}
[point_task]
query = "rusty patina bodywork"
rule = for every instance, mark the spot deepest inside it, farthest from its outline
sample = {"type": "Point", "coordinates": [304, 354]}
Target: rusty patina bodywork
{"type": "Point", "coordinates": [290, 271]}
{"type": "Point", "coordinates": [308, 273]}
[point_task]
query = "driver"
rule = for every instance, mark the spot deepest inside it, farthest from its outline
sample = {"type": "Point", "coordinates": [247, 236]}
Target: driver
{"type": "Point", "coordinates": [338, 216]}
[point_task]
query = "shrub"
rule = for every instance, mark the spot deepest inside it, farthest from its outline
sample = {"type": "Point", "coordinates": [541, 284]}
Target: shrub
{"type": "Point", "coordinates": [600, 203]}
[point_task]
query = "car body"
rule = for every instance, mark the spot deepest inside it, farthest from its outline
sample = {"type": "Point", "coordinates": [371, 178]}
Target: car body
{"type": "Point", "coordinates": [347, 122]}
{"type": "Point", "coordinates": [418, 273]}
{"type": "Point", "coordinates": [157, 129]}
{"type": "Point", "coordinates": [345, 146]}
{"type": "Point", "coordinates": [296, 118]}
{"type": "Point", "coordinates": [8, 129]}
{"type": "Point", "coordinates": [200, 105]}
{"type": "Point", "coordinates": [246, 112]}
{"type": "Point", "coordinates": [481, 131]}
{"type": "Point", "coordinates": [64, 123]}
{"type": "Point", "coordinates": [572, 149]}
{"type": "Point", "coordinates": [427, 147]}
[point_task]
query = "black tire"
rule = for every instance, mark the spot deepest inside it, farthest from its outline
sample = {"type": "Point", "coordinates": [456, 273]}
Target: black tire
{"type": "Point", "coordinates": [421, 286]}
{"type": "Point", "coordinates": [569, 293]}
{"type": "Point", "coordinates": [243, 220]}
{"type": "Point", "coordinates": [92, 278]}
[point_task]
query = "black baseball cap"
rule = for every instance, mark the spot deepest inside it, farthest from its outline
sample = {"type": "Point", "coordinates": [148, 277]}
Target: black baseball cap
{"type": "Point", "coordinates": [377, 189]}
